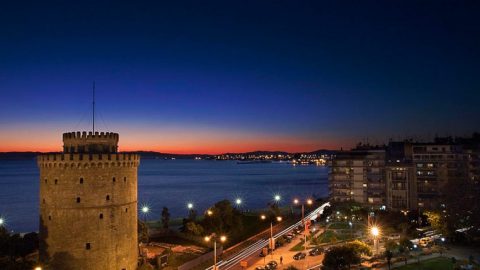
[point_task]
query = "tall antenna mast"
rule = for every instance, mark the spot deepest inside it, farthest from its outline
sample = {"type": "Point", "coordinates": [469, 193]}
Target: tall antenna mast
{"type": "Point", "coordinates": [93, 115]}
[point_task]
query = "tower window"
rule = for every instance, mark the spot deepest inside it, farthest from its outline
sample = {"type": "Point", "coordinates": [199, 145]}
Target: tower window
{"type": "Point", "coordinates": [108, 198]}
{"type": "Point", "coordinates": [78, 199]}
{"type": "Point", "coordinates": [101, 216]}
{"type": "Point", "coordinates": [46, 180]}
{"type": "Point", "coordinates": [126, 210]}
{"type": "Point", "coordinates": [49, 217]}
{"type": "Point", "coordinates": [56, 181]}
{"type": "Point", "coordinates": [87, 246]}
{"type": "Point", "coordinates": [113, 179]}
{"type": "Point", "coordinates": [125, 179]}
{"type": "Point", "coordinates": [43, 200]}
{"type": "Point", "coordinates": [81, 180]}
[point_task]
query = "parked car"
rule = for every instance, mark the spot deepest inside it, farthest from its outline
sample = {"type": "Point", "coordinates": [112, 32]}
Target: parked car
{"type": "Point", "coordinates": [271, 265]}
{"type": "Point", "coordinates": [278, 244]}
{"type": "Point", "coordinates": [315, 251]}
{"type": "Point", "coordinates": [259, 268]}
{"type": "Point", "coordinates": [299, 256]}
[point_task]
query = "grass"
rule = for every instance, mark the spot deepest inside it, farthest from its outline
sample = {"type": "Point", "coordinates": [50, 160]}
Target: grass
{"type": "Point", "coordinates": [298, 247]}
{"type": "Point", "coordinates": [432, 264]}
{"type": "Point", "coordinates": [331, 236]}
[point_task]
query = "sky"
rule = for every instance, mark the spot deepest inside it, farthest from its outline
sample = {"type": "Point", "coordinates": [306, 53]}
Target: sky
{"type": "Point", "coordinates": [236, 76]}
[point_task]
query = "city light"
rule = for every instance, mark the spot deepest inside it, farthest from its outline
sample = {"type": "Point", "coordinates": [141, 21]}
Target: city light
{"type": "Point", "coordinates": [209, 212]}
{"type": "Point", "coordinates": [374, 230]}
{"type": "Point", "coordinates": [38, 268]}
{"type": "Point", "coordinates": [1, 221]}
{"type": "Point", "coordinates": [263, 217]}
{"type": "Point", "coordinates": [238, 201]}
{"type": "Point", "coordinates": [145, 209]}
{"type": "Point", "coordinates": [309, 201]}
{"type": "Point", "coordinates": [223, 238]}
{"type": "Point", "coordinates": [207, 238]}
{"type": "Point", "coordinates": [190, 205]}
{"type": "Point", "coordinates": [277, 198]}
{"type": "Point", "coordinates": [295, 201]}
{"type": "Point", "coordinates": [279, 219]}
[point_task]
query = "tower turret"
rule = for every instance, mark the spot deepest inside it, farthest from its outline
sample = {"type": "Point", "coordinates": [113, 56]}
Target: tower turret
{"type": "Point", "coordinates": [88, 204]}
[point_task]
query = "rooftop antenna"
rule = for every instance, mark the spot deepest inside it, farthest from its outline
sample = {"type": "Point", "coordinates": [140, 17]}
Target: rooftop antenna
{"type": "Point", "coordinates": [93, 102]}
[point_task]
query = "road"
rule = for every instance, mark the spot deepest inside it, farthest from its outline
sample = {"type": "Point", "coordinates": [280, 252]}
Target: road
{"type": "Point", "coordinates": [250, 253]}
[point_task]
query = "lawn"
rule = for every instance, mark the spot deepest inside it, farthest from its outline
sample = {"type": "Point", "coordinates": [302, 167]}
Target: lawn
{"type": "Point", "coordinates": [432, 264]}
{"type": "Point", "coordinates": [330, 236]}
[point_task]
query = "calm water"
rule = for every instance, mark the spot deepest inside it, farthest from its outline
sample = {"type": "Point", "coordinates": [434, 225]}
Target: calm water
{"type": "Point", "coordinates": [173, 183]}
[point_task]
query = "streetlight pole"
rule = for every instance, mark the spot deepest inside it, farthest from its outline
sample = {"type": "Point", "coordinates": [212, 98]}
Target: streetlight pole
{"type": "Point", "coordinates": [222, 239]}
{"type": "Point", "coordinates": [309, 202]}
{"type": "Point", "coordinates": [375, 232]}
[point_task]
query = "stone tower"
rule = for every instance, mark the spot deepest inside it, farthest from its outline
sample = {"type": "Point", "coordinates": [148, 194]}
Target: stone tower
{"type": "Point", "coordinates": [88, 204]}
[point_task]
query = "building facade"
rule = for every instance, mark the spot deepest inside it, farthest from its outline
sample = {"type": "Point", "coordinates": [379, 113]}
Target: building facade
{"type": "Point", "coordinates": [88, 204]}
{"type": "Point", "coordinates": [405, 175]}
{"type": "Point", "coordinates": [358, 176]}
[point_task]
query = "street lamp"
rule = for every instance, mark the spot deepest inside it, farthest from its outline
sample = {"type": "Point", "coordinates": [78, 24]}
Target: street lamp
{"type": "Point", "coordinates": [222, 239]}
{"type": "Point", "coordinates": [238, 201]}
{"type": "Point", "coordinates": [375, 233]}
{"type": "Point", "coordinates": [209, 212]}
{"type": "Point", "coordinates": [190, 206]}
{"type": "Point", "coordinates": [263, 217]}
{"type": "Point", "coordinates": [38, 268]}
{"type": "Point", "coordinates": [277, 198]}
{"type": "Point", "coordinates": [308, 202]}
{"type": "Point", "coordinates": [145, 209]}
{"type": "Point", "coordinates": [2, 221]}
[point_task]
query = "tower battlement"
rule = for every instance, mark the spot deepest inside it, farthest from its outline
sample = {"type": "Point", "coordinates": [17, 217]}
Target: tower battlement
{"type": "Point", "coordinates": [83, 142]}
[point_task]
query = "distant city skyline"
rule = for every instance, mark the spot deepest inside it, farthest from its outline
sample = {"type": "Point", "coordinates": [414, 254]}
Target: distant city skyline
{"type": "Point", "coordinates": [216, 77]}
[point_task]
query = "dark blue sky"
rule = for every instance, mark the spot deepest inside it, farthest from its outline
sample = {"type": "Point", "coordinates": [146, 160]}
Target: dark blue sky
{"type": "Point", "coordinates": [206, 76]}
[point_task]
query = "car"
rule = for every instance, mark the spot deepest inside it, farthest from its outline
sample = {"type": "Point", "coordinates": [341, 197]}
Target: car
{"type": "Point", "coordinates": [271, 265]}
{"type": "Point", "coordinates": [315, 251]}
{"type": "Point", "coordinates": [278, 244]}
{"type": "Point", "coordinates": [299, 256]}
{"type": "Point", "coordinates": [259, 268]}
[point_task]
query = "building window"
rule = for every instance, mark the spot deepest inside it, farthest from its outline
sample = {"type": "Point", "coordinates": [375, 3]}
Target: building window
{"type": "Point", "coordinates": [108, 198]}
{"type": "Point", "coordinates": [125, 179]}
{"type": "Point", "coordinates": [81, 180]}
{"type": "Point", "coordinates": [78, 199]}
{"type": "Point", "coordinates": [46, 180]}
{"type": "Point", "coordinates": [101, 216]}
{"type": "Point", "coordinates": [126, 210]}
{"type": "Point", "coordinates": [43, 200]}
{"type": "Point", "coordinates": [87, 246]}
{"type": "Point", "coordinates": [56, 181]}
{"type": "Point", "coordinates": [49, 217]}
{"type": "Point", "coordinates": [113, 179]}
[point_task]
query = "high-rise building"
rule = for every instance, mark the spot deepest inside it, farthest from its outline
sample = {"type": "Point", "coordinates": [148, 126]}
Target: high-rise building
{"type": "Point", "coordinates": [358, 176]}
{"type": "Point", "coordinates": [88, 204]}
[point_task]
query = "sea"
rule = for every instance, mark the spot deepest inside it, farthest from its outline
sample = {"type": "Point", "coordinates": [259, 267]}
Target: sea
{"type": "Point", "coordinates": [174, 184]}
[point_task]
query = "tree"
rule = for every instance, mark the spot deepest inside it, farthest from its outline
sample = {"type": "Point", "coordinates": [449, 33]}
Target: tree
{"type": "Point", "coordinates": [389, 256]}
{"type": "Point", "coordinates": [340, 258]}
{"type": "Point", "coordinates": [436, 220]}
{"type": "Point", "coordinates": [193, 228]}
{"type": "Point", "coordinates": [165, 217]}
{"type": "Point", "coordinates": [360, 247]}
{"type": "Point", "coordinates": [142, 232]}
{"type": "Point", "coordinates": [192, 215]}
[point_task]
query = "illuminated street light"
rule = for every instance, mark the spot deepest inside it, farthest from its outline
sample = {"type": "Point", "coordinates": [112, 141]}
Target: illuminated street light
{"type": "Point", "coordinates": [222, 238]}
{"type": "Point", "coordinates": [309, 201]}
{"type": "Point", "coordinates": [209, 212]}
{"type": "Point", "coordinates": [375, 232]}
{"type": "Point", "coordinates": [190, 205]}
{"type": "Point", "coordinates": [263, 217]}
{"type": "Point", "coordinates": [279, 219]}
{"type": "Point", "coordinates": [277, 198]}
{"type": "Point", "coordinates": [145, 209]}
{"type": "Point", "coordinates": [238, 201]}
{"type": "Point", "coordinates": [38, 268]}
{"type": "Point", "coordinates": [1, 221]}
{"type": "Point", "coordinates": [295, 201]}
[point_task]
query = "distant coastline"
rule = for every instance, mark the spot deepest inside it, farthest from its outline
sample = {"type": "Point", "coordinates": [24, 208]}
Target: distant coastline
{"type": "Point", "coordinates": [159, 155]}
